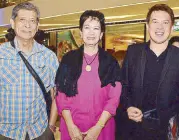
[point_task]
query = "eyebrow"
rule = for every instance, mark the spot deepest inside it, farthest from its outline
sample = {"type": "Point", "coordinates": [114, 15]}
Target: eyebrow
{"type": "Point", "coordinates": [162, 20]}
{"type": "Point", "coordinates": [94, 26]}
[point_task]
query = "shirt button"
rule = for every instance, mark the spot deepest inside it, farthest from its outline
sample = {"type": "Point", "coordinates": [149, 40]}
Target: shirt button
{"type": "Point", "coordinates": [27, 71]}
{"type": "Point", "coordinates": [27, 127]}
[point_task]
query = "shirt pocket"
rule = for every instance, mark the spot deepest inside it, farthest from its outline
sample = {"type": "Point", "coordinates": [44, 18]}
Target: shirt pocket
{"type": "Point", "coordinates": [43, 72]}
{"type": "Point", "coordinates": [10, 73]}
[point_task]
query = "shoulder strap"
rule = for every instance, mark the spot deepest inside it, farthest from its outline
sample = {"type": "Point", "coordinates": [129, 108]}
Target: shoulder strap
{"type": "Point", "coordinates": [31, 70]}
{"type": "Point", "coordinates": [35, 75]}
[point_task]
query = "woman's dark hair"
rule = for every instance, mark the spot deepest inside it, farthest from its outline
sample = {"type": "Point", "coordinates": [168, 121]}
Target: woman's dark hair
{"type": "Point", "coordinates": [95, 15]}
{"type": "Point", "coordinates": [174, 39]}
{"type": "Point", "coordinates": [10, 35]}
{"type": "Point", "coordinates": [39, 36]}
{"type": "Point", "coordinates": [160, 7]}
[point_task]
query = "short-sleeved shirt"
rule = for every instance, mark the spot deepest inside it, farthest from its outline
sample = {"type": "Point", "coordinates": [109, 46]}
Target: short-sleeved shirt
{"type": "Point", "coordinates": [22, 105]}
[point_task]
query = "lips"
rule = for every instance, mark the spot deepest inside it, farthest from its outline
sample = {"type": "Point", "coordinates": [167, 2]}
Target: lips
{"type": "Point", "coordinates": [90, 38]}
{"type": "Point", "coordinates": [26, 32]}
{"type": "Point", "coordinates": [159, 33]}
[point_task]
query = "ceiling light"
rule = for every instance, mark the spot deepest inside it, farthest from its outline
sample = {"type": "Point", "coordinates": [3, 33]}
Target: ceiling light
{"type": "Point", "coordinates": [154, 1]}
{"type": "Point", "coordinates": [5, 25]}
{"type": "Point", "coordinates": [42, 25]}
{"type": "Point", "coordinates": [175, 8]}
{"type": "Point", "coordinates": [139, 3]}
{"type": "Point", "coordinates": [123, 16]}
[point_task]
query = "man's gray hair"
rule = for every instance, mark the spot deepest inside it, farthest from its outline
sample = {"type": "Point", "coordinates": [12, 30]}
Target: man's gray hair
{"type": "Point", "coordinates": [25, 6]}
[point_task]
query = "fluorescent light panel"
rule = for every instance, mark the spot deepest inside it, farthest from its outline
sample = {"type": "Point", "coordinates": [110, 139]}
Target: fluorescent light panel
{"type": "Point", "coordinates": [123, 16]}
{"type": "Point", "coordinates": [106, 8]}
{"type": "Point", "coordinates": [42, 25]}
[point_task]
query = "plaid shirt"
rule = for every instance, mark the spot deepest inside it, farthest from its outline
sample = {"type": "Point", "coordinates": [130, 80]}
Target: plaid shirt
{"type": "Point", "coordinates": [22, 106]}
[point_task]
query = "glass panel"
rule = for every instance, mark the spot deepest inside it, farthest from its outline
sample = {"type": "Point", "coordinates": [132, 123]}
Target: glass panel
{"type": "Point", "coordinates": [67, 40]}
{"type": "Point", "coordinates": [118, 37]}
{"type": "Point", "coordinates": [176, 28]}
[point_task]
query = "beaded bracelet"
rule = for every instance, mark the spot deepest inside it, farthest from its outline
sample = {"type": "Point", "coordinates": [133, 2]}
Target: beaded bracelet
{"type": "Point", "coordinates": [100, 124]}
{"type": "Point", "coordinates": [52, 127]}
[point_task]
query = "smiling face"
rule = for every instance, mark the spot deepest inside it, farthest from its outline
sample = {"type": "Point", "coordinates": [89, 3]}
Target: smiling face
{"type": "Point", "coordinates": [159, 27]}
{"type": "Point", "coordinates": [91, 32]}
{"type": "Point", "coordinates": [25, 24]}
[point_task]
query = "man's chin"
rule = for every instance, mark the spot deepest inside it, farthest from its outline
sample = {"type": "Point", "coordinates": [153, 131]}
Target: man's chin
{"type": "Point", "coordinates": [26, 38]}
{"type": "Point", "coordinates": [160, 41]}
{"type": "Point", "coordinates": [92, 45]}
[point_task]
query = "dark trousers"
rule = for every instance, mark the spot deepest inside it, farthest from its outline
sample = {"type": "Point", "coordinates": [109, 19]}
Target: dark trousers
{"type": "Point", "coordinates": [47, 135]}
{"type": "Point", "coordinates": [130, 130]}
{"type": "Point", "coordinates": [136, 132]}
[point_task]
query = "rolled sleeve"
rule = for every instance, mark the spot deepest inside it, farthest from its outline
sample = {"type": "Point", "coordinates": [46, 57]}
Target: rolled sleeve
{"type": "Point", "coordinates": [63, 102]}
{"type": "Point", "coordinates": [113, 101]}
{"type": "Point", "coordinates": [53, 66]}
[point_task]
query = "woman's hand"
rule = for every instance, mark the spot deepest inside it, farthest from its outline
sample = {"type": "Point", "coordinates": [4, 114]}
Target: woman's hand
{"type": "Point", "coordinates": [93, 133]}
{"type": "Point", "coordinates": [74, 132]}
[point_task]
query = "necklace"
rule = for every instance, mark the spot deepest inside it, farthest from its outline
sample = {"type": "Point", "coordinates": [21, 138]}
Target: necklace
{"type": "Point", "coordinates": [88, 66]}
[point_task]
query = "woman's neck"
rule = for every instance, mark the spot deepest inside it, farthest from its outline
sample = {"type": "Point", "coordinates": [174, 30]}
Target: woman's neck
{"type": "Point", "coordinates": [90, 50]}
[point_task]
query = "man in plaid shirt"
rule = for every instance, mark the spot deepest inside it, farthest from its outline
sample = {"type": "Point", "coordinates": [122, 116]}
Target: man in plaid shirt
{"type": "Point", "coordinates": [23, 113]}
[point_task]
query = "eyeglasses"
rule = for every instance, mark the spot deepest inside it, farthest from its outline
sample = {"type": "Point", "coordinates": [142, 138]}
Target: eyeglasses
{"type": "Point", "coordinates": [25, 21]}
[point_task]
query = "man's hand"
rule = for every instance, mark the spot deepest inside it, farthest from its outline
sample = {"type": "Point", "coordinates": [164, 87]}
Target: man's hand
{"type": "Point", "coordinates": [134, 114]}
{"type": "Point", "coordinates": [53, 128]}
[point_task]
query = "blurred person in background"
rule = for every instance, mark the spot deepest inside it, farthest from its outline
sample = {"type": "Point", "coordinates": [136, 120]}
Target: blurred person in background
{"type": "Point", "coordinates": [174, 41]}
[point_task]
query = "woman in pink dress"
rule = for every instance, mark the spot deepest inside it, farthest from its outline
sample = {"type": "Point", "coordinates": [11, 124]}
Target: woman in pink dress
{"type": "Point", "coordinates": [88, 86]}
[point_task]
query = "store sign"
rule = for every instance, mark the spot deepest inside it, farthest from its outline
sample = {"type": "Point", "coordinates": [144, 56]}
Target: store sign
{"type": "Point", "coordinates": [176, 26]}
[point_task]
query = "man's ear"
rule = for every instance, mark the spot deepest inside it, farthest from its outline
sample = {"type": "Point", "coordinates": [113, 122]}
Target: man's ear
{"type": "Point", "coordinates": [12, 23]}
{"type": "Point", "coordinates": [147, 26]}
{"type": "Point", "coordinates": [37, 26]}
{"type": "Point", "coordinates": [101, 35]}
{"type": "Point", "coordinates": [172, 29]}
{"type": "Point", "coordinates": [81, 34]}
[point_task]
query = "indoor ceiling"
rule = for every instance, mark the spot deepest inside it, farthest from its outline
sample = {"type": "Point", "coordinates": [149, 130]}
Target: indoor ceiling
{"type": "Point", "coordinates": [6, 3]}
{"type": "Point", "coordinates": [121, 14]}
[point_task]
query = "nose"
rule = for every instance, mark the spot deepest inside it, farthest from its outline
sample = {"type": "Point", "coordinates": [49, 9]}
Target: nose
{"type": "Point", "coordinates": [27, 24]}
{"type": "Point", "coordinates": [91, 31]}
{"type": "Point", "coordinates": [160, 25]}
